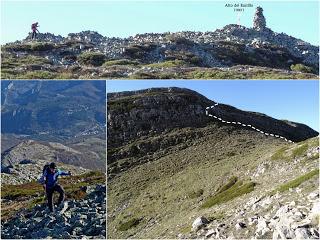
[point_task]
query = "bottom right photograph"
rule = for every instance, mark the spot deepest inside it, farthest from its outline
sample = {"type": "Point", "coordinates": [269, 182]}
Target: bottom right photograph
{"type": "Point", "coordinates": [217, 159]}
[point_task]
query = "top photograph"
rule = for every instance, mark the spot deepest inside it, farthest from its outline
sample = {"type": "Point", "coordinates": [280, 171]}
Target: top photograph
{"type": "Point", "coordinates": [159, 40]}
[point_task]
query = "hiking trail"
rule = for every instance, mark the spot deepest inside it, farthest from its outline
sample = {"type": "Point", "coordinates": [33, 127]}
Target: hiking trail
{"type": "Point", "coordinates": [244, 125]}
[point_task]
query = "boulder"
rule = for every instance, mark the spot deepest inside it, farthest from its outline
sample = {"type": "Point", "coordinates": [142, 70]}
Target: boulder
{"type": "Point", "coordinates": [199, 223]}
{"type": "Point", "coordinates": [302, 233]}
{"type": "Point", "coordinates": [283, 232]}
{"type": "Point", "coordinates": [313, 195]}
{"type": "Point", "coordinates": [26, 161]}
{"type": "Point", "coordinates": [240, 225]}
{"type": "Point", "coordinates": [262, 227]}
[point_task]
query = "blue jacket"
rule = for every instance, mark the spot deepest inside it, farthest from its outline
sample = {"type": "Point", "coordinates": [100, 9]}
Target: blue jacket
{"type": "Point", "coordinates": [51, 179]}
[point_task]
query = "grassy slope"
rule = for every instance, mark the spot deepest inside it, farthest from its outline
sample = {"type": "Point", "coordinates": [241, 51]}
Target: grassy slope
{"type": "Point", "coordinates": [158, 193]}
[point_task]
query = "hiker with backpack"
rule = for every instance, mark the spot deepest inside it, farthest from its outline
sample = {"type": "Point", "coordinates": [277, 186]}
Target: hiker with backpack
{"type": "Point", "coordinates": [49, 180]}
{"type": "Point", "coordinates": [34, 28]}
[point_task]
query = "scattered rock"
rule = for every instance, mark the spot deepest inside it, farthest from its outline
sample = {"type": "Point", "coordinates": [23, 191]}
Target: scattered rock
{"type": "Point", "coordinates": [313, 195]}
{"type": "Point", "coordinates": [262, 227]}
{"type": "Point", "coordinates": [39, 223]}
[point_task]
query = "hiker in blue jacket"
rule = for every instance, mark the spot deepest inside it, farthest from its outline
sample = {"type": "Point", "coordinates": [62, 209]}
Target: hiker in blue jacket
{"type": "Point", "coordinates": [49, 180]}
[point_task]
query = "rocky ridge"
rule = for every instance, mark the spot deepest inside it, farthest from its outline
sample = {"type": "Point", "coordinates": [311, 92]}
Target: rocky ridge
{"type": "Point", "coordinates": [118, 48]}
{"type": "Point", "coordinates": [76, 219]}
{"type": "Point", "coordinates": [24, 162]}
{"type": "Point", "coordinates": [147, 124]}
{"type": "Point", "coordinates": [156, 110]}
{"type": "Point", "coordinates": [92, 55]}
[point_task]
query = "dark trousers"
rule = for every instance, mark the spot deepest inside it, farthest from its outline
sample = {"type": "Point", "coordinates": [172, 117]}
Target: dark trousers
{"type": "Point", "coordinates": [50, 192]}
{"type": "Point", "coordinates": [34, 35]}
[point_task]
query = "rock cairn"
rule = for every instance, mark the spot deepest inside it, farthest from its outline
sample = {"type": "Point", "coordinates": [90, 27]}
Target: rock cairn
{"type": "Point", "coordinates": [259, 21]}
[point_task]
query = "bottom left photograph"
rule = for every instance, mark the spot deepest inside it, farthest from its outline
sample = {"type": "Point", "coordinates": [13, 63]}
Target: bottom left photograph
{"type": "Point", "coordinates": [53, 159]}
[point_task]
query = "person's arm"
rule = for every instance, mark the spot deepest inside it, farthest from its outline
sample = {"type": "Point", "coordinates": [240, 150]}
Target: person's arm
{"type": "Point", "coordinates": [64, 173]}
{"type": "Point", "coordinates": [42, 180]}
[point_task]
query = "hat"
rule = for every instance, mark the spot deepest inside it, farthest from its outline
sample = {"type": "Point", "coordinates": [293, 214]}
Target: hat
{"type": "Point", "coordinates": [52, 165]}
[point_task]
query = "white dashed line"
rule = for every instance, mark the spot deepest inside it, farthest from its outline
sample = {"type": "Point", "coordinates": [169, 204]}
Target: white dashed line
{"type": "Point", "coordinates": [244, 125]}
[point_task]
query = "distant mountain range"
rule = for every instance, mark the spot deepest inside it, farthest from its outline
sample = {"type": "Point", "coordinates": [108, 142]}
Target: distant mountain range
{"type": "Point", "coordinates": [46, 109]}
{"type": "Point", "coordinates": [60, 121]}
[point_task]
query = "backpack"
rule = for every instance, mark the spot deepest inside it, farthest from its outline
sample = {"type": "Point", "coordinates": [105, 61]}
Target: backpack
{"type": "Point", "coordinates": [45, 168]}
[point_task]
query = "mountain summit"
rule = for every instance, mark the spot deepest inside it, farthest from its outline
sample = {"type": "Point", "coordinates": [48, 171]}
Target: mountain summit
{"type": "Point", "coordinates": [234, 51]}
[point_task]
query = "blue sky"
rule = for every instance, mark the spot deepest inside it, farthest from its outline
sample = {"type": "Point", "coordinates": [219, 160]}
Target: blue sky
{"type": "Point", "coordinates": [125, 18]}
{"type": "Point", "coordinates": [282, 99]}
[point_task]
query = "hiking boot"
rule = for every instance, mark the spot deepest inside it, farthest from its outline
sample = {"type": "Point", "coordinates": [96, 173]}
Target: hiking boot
{"type": "Point", "coordinates": [47, 211]}
{"type": "Point", "coordinates": [62, 207]}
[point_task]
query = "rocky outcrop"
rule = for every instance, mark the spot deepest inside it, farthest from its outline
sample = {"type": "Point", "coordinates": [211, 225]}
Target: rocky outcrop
{"type": "Point", "coordinates": [76, 219]}
{"type": "Point", "coordinates": [47, 37]}
{"type": "Point", "coordinates": [152, 111]}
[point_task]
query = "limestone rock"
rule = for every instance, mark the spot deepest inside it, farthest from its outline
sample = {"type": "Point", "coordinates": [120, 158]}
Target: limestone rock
{"type": "Point", "coordinates": [199, 223]}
